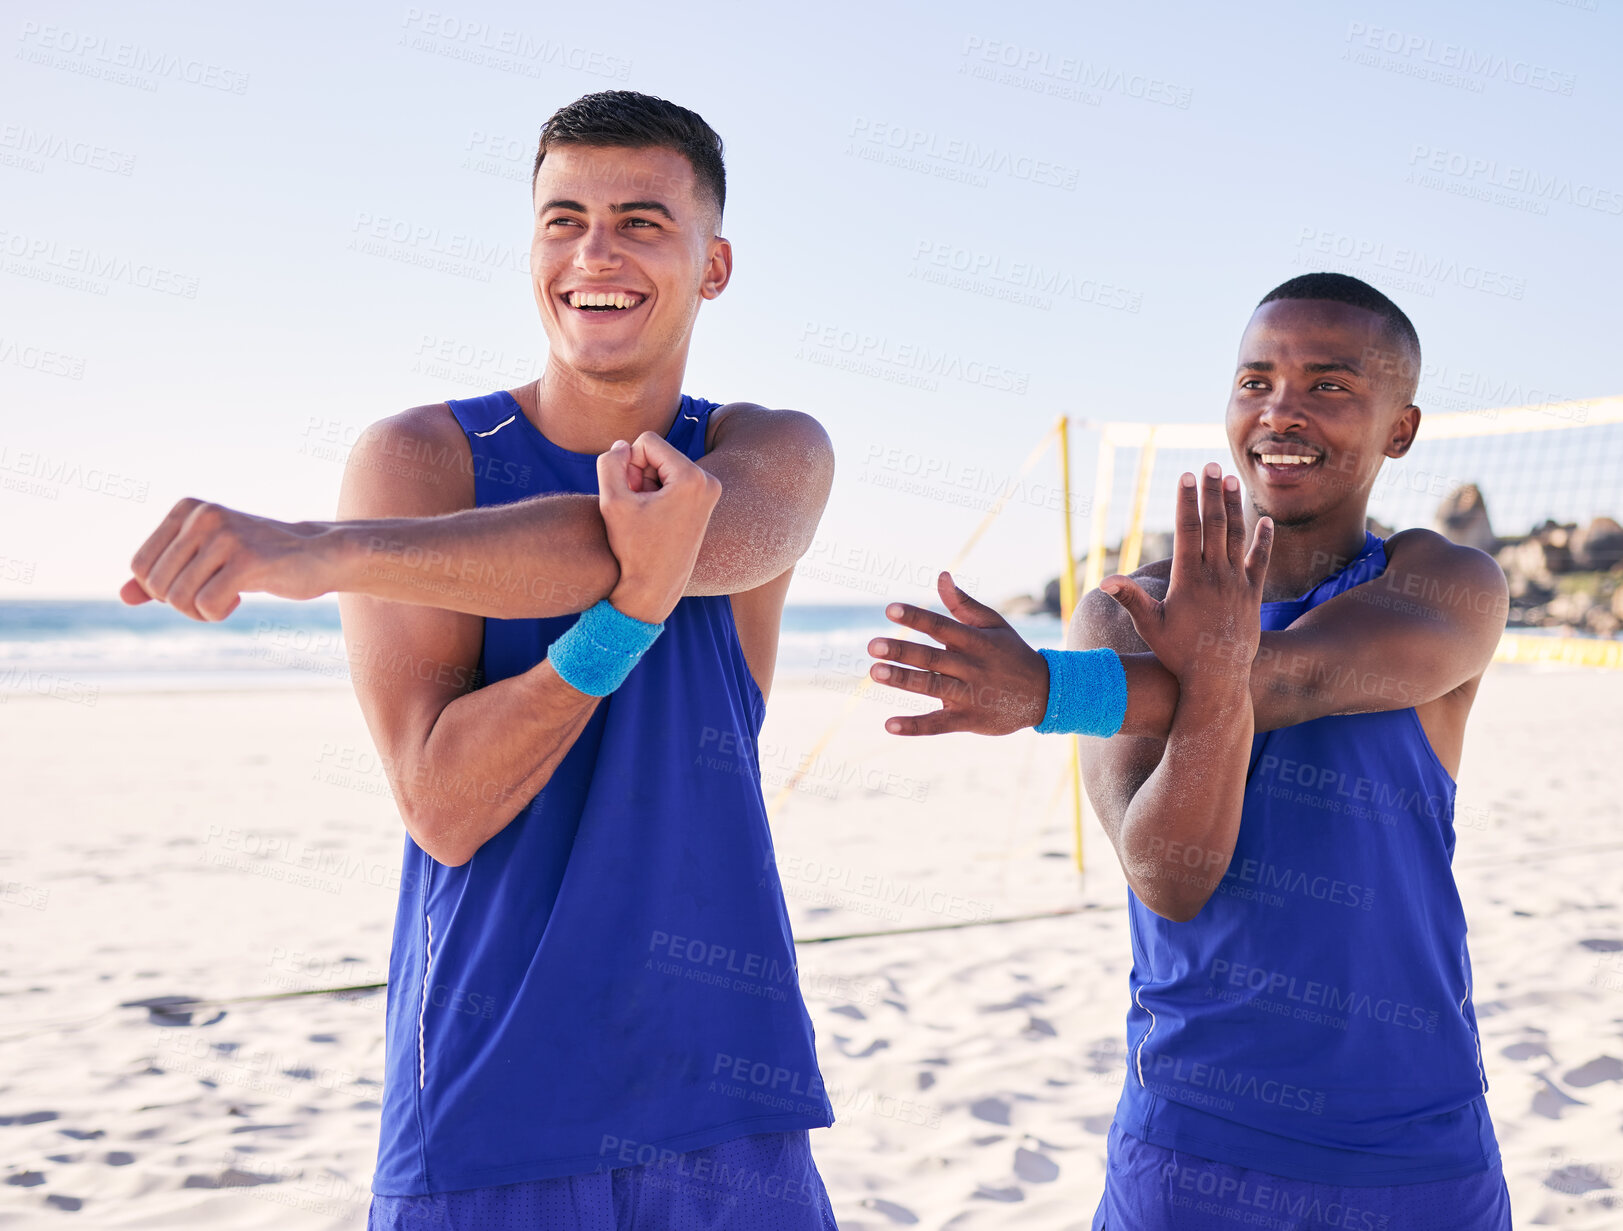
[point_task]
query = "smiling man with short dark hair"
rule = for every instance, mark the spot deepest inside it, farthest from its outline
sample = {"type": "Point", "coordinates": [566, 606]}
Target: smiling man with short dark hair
{"type": "Point", "coordinates": [1278, 783]}
{"type": "Point", "coordinates": [561, 607]}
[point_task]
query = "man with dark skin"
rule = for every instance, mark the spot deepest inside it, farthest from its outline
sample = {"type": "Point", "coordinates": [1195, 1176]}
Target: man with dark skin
{"type": "Point", "coordinates": [1280, 797]}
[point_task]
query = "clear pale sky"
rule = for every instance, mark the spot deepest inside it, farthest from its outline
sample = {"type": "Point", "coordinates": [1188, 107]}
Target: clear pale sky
{"type": "Point", "coordinates": [230, 241]}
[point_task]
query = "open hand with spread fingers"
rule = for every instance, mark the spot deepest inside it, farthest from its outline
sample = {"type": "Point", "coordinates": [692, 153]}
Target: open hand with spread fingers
{"type": "Point", "coordinates": [1208, 627]}
{"type": "Point", "coordinates": [988, 680]}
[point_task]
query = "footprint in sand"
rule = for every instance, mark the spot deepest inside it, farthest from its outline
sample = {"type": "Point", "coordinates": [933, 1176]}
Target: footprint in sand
{"type": "Point", "coordinates": [119, 1158]}
{"type": "Point", "coordinates": [1023, 1001]}
{"type": "Point", "coordinates": [1524, 1051]}
{"type": "Point", "coordinates": [1034, 1168]}
{"type": "Point", "coordinates": [1000, 1194]}
{"type": "Point", "coordinates": [1575, 1181]}
{"type": "Point", "coordinates": [1036, 1143]}
{"type": "Point", "coordinates": [28, 1117]}
{"type": "Point", "coordinates": [65, 1203]}
{"type": "Point", "coordinates": [992, 1110]}
{"type": "Point", "coordinates": [1551, 1101]}
{"type": "Point", "coordinates": [1097, 1124]}
{"type": "Point", "coordinates": [849, 1010]}
{"type": "Point", "coordinates": [1603, 944]}
{"type": "Point", "coordinates": [844, 1045]}
{"type": "Point", "coordinates": [1601, 1068]}
{"type": "Point", "coordinates": [898, 1214]}
{"type": "Point", "coordinates": [26, 1179]}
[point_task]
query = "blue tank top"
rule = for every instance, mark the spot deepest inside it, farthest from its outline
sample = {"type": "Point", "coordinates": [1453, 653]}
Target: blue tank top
{"type": "Point", "coordinates": [612, 975]}
{"type": "Point", "coordinates": [1314, 1019]}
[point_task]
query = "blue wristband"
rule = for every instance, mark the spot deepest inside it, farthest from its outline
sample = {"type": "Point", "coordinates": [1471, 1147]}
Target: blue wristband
{"type": "Point", "coordinates": [600, 648]}
{"type": "Point", "coordinates": [1087, 692]}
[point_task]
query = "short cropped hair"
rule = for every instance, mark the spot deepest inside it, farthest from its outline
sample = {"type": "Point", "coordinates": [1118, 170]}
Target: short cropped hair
{"type": "Point", "coordinates": [631, 120]}
{"type": "Point", "coordinates": [1342, 288]}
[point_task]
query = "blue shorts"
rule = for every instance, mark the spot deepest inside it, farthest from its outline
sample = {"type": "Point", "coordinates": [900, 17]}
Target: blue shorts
{"type": "Point", "coordinates": [1148, 1188]}
{"type": "Point", "coordinates": [767, 1182]}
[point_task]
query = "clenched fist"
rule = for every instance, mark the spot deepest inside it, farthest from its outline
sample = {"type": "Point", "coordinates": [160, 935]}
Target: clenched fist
{"type": "Point", "coordinates": [656, 505]}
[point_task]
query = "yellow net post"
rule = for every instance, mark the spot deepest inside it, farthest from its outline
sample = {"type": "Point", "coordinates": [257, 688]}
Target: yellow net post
{"type": "Point", "coordinates": [1132, 543]}
{"type": "Point", "coordinates": [1067, 604]}
{"type": "Point", "coordinates": [1104, 475]}
{"type": "Point", "coordinates": [1067, 575]}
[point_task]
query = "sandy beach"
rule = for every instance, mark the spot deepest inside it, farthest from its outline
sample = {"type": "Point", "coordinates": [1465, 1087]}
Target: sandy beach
{"type": "Point", "coordinates": [242, 844]}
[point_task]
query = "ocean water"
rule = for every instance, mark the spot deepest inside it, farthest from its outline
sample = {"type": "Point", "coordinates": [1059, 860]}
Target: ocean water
{"type": "Point", "coordinates": [76, 650]}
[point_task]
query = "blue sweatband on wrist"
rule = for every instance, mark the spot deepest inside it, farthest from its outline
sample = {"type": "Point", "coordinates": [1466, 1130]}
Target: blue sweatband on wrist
{"type": "Point", "coordinates": [1087, 692]}
{"type": "Point", "coordinates": [600, 648]}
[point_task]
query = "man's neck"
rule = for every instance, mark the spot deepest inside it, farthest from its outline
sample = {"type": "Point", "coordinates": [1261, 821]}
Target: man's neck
{"type": "Point", "coordinates": [1304, 555]}
{"type": "Point", "coordinates": [586, 414]}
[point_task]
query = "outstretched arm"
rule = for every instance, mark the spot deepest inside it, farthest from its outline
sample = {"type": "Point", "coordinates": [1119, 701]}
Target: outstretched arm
{"type": "Point", "coordinates": [1170, 802]}
{"type": "Point", "coordinates": [1425, 627]}
{"type": "Point", "coordinates": [543, 556]}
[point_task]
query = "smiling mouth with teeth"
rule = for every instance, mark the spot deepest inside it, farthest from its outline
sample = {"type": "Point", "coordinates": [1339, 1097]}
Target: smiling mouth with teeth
{"type": "Point", "coordinates": [1286, 459]}
{"type": "Point", "coordinates": [603, 301]}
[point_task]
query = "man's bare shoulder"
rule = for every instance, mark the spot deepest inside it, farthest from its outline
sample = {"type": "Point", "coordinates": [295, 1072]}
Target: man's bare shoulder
{"type": "Point", "coordinates": [1103, 623]}
{"type": "Point", "coordinates": [1423, 548]}
{"type": "Point", "coordinates": [412, 464]}
{"type": "Point", "coordinates": [1465, 587]}
{"type": "Point", "coordinates": [792, 429]}
{"type": "Point", "coordinates": [431, 423]}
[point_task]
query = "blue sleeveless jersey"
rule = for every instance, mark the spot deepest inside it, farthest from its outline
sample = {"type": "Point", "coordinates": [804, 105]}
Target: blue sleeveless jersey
{"type": "Point", "coordinates": [1314, 1020]}
{"type": "Point", "coordinates": [610, 980]}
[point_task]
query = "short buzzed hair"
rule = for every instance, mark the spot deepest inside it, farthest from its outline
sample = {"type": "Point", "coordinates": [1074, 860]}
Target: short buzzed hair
{"type": "Point", "coordinates": [1343, 288]}
{"type": "Point", "coordinates": [631, 120]}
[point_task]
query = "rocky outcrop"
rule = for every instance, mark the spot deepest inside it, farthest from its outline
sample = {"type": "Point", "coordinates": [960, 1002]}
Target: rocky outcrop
{"type": "Point", "coordinates": [1463, 518]}
{"type": "Point", "coordinates": [1598, 546]}
{"type": "Point", "coordinates": [1566, 578]}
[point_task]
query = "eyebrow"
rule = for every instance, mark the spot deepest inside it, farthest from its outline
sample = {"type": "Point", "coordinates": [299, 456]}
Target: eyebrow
{"type": "Point", "coordinates": [627, 207]}
{"type": "Point", "coordinates": [1334, 365]}
{"type": "Point", "coordinates": [651, 206]}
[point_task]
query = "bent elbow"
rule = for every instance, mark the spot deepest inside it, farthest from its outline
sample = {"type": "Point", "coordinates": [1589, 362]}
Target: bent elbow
{"type": "Point", "coordinates": [441, 848]}
{"type": "Point", "coordinates": [431, 835]}
{"type": "Point", "coordinates": [1174, 905]}
{"type": "Point", "coordinates": [447, 857]}
{"type": "Point", "coordinates": [1181, 912]}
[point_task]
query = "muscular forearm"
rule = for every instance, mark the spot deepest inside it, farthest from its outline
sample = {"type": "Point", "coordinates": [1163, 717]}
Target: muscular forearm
{"type": "Point", "coordinates": [1297, 675]}
{"type": "Point", "coordinates": [1178, 833]}
{"type": "Point", "coordinates": [487, 756]}
{"type": "Point", "coordinates": [546, 556]}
